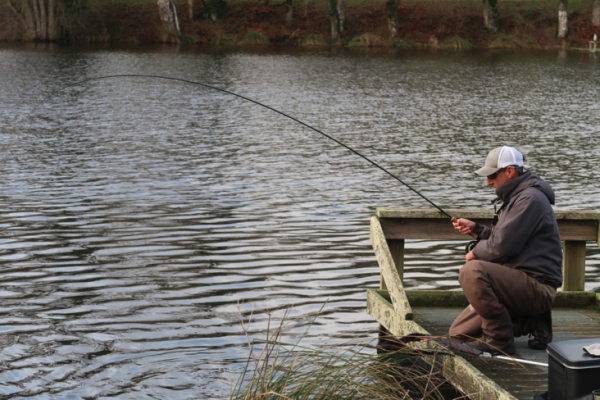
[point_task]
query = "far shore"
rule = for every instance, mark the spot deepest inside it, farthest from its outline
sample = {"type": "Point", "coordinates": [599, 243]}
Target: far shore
{"type": "Point", "coordinates": [421, 24]}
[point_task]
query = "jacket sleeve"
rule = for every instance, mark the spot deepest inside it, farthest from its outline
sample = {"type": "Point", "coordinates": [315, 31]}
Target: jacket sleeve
{"type": "Point", "coordinates": [512, 233]}
{"type": "Point", "coordinates": [482, 231]}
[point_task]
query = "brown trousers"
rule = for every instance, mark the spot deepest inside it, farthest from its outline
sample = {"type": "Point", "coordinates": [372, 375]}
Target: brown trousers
{"type": "Point", "coordinates": [501, 298]}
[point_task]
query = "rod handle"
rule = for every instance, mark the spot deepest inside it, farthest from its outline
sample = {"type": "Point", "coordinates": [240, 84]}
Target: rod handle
{"type": "Point", "coordinates": [472, 234]}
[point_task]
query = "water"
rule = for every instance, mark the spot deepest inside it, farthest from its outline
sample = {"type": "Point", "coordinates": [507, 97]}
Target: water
{"type": "Point", "coordinates": [140, 217]}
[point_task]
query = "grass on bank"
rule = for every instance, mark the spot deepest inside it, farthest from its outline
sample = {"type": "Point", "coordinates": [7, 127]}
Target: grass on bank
{"type": "Point", "coordinates": [254, 39]}
{"type": "Point", "coordinates": [314, 40]}
{"type": "Point", "coordinates": [278, 370]}
{"type": "Point", "coordinates": [368, 40]}
{"type": "Point", "coordinates": [456, 43]}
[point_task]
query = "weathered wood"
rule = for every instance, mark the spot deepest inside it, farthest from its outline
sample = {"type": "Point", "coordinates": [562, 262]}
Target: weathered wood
{"type": "Point", "coordinates": [457, 370]}
{"type": "Point", "coordinates": [437, 298]}
{"type": "Point", "coordinates": [472, 213]}
{"type": "Point", "coordinates": [573, 266]}
{"type": "Point", "coordinates": [574, 299]}
{"type": "Point", "coordinates": [389, 272]}
{"type": "Point", "coordinates": [455, 298]}
{"type": "Point", "coordinates": [396, 247]}
{"type": "Point", "coordinates": [428, 224]}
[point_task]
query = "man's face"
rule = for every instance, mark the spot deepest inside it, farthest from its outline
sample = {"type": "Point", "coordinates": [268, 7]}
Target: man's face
{"type": "Point", "coordinates": [502, 176]}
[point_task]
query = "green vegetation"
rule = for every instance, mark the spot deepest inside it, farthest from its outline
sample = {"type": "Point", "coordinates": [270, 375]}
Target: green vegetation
{"type": "Point", "coordinates": [217, 8]}
{"type": "Point", "coordinates": [456, 43]}
{"type": "Point", "coordinates": [224, 40]}
{"type": "Point", "coordinates": [402, 44]}
{"type": "Point", "coordinates": [368, 40]}
{"type": "Point", "coordinates": [186, 39]}
{"type": "Point", "coordinates": [254, 39]}
{"type": "Point", "coordinates": [504, 42]}
{"type": "Point", "coordinates": [530, 43]}
{"type": "Point", "coordinates": [314, 40]}
{"type": "Point", "coordinates": [278, 370]}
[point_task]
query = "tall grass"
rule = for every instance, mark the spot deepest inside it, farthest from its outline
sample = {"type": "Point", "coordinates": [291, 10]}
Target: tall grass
{"type": "Point", "coordinates": [456, 43]}
{"type": "Point", "coordinates": [368, 40]}
{"type": "Point", "coordinates": [279, 370]}
{"type": "Point", "coordinates": [254, 39]}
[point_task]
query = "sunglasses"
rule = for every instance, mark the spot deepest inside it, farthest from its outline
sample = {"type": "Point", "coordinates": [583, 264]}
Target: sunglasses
{"type": "Point", "coordinates": [495, 174]}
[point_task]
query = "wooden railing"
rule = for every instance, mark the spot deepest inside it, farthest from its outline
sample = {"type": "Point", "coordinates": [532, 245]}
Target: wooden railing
{"type": "Point", "coordinates": [575, 228]}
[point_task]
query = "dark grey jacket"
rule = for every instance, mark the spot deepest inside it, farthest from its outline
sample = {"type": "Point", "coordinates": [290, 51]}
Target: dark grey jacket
{"type": "Point", "coordinates": [526, 235]}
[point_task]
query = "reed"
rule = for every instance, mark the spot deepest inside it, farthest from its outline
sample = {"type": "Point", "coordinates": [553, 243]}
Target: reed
{"type": "Point", "coordinates": [368, 40]}
{"type": "Point", "coordinates": [224, 40]}
{"type": "Point", "coordinates": [254, 39]}
{"type": "Point", "coordinates": [456, 43]}
{"type": "Point", "coordinates": [314, 40]}
{"type": "Point", "coordinates": [504, 42]}
{"type": "Point", "coordinates": [352, 370]}
{"type": "Point", "coordinates": [402, 44]}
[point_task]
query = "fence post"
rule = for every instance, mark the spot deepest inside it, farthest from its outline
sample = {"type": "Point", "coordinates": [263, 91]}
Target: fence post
{"type": "Point", "coordinates": [573, 266]}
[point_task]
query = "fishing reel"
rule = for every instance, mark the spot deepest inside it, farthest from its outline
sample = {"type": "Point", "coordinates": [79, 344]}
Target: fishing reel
{"type": "Point", "coordinates": [470, 246]}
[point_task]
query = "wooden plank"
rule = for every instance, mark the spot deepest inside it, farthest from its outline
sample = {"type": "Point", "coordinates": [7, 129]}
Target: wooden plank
{"type": "Point", "coordinates": [574, 299]}
{"type": "Point", "coordinates": [442, 229]}
{"type": "Point", "coordinates": [460, 373]}
{"type": "Point", "coordinates": [474, 213]}
{"type": "Point", "coordinates": [396, 247]}
{"type": "Point", "coordinates": [456, 298]}
{"type": "Point", "coordinates": [573, 266]}
{"type": "Point", "coordinates": [389, 272]}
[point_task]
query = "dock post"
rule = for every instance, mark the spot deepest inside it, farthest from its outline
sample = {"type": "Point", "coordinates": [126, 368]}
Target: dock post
{"type": "Point", "coordinates": [593, 46]}
{"type": "Point", "coordinates": [573, 266]}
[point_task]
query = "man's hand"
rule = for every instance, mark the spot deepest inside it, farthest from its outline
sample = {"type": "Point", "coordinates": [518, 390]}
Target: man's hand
{"type": "Point", "coordinates": [470, 256]}
{"type": "Point", "coordinates": [464, 226]}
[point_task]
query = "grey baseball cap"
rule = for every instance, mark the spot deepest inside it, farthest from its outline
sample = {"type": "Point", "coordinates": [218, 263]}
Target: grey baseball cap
{"type": "Point", "coordinates": [499, 158]}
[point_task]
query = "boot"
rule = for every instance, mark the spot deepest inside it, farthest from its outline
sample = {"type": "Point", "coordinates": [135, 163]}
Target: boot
{"type": "Point", "coordinates": [542, 333]}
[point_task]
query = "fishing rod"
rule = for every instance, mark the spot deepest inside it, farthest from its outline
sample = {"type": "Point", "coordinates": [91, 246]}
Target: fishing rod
{"type": "Point", "coordinates": [454, 348]}
{"type": "Point", "coordinates": [257, 103]}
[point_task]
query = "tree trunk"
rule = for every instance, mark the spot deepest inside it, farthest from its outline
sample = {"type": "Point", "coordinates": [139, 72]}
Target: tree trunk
{"type": "Point", "coordinates": [52, 28]}
{"type": "Point", "coordinates": [392, 11]}
{"type": "Point", "coordinates": [175, 16]}
{"type": "Point", "coordinates": [289, 12]}
{"type": "Point", "coordinates": [562, 19]}
{"type": "Point", "coordinates": [191, 7]}
{"type": "Point", "coordinates": [43, 21]}
{"type": "Point", "coordinates": [26, 16]}
{"type": "Point", "coordinates": [490, 15]}
{"type": "Point", "coordinates": [341, 9]}
{"type": "Point", "coordinates": [167, 16]}
{"type": "Point", "coordinates": [596, 13]}
{"type": "Point", "coordinates": [36, 18]}
{"type": "Point", "coordinates": [335, 31]}
{"type": "Point", "coordinates": [333, 10]}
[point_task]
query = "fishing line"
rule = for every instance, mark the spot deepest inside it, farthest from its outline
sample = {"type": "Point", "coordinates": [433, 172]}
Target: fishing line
{"type": "Point", "coordinates": [257, 103]}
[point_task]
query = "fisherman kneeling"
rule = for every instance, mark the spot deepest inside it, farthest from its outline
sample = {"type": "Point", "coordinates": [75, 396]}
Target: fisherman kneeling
{"type": "Point", "coordinates": [511, 275]}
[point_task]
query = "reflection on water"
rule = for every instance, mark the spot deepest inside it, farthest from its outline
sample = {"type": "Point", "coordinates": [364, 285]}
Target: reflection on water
{"type": "Point", "coordinates": [136, 214]}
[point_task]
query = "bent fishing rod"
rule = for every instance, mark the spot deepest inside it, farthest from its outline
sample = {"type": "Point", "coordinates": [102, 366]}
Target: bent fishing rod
{"type": "Point", "coordinates": [257, 103]}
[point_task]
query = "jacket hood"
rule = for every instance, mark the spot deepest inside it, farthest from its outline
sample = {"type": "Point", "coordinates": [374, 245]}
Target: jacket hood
{"type": "Point", "coordinates": [528, 179]}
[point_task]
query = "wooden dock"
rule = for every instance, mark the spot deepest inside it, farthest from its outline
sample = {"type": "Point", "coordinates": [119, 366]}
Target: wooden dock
{"type": "Point", "coordinates": [575, 312]}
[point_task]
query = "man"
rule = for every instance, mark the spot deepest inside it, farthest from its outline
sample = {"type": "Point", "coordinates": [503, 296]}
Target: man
{"type": "Point", "coordinates": [512, 273]}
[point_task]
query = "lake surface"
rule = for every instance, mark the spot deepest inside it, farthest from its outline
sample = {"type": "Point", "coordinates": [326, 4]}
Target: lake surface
{"type": "Point", "coordinates": [140, 217]}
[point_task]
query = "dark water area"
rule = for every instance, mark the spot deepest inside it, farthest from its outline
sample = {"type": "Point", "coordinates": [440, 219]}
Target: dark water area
{"type": "Point", "coordinates": [139, 217]}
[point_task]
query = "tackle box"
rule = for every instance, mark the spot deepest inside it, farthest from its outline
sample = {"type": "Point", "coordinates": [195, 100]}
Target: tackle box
{"type": "Point", "coordinates": [572, 373]}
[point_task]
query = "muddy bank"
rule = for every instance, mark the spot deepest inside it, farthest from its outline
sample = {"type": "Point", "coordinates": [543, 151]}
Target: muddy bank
{"type": "Point", "coordinates": [420, 24]}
